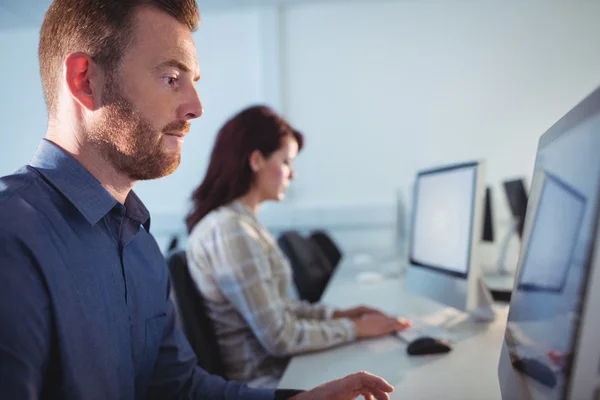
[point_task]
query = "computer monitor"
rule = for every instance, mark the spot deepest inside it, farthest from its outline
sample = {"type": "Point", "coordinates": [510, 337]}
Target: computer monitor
{"type": "Point", "coordinates": [500, 281]}
{"type": "Point", "coordinates": [487, 234]}
{"type": "Point", "coordinates": [517, 201]}
{"type": "Point", "coordinates": [550, 348]}
{"type": "Point", "coordinates": [446, 230]}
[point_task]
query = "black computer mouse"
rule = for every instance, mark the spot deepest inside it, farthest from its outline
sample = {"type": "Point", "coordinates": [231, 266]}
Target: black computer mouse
{"type": "Point", "coordinates": [428, 345]}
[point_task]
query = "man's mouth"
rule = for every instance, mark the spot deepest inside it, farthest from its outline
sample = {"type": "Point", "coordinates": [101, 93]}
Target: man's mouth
{"type": "Point", "coordinates": [176, 134]}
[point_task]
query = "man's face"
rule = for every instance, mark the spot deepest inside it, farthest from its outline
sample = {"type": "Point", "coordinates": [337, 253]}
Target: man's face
{"type": "Point", "coordinates": [150, 99]}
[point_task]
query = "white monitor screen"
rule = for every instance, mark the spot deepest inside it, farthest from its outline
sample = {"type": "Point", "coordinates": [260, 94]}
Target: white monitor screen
{"type": "Point", "coordinates": [552, 242]}
{"type": "Point", "coordinates": [443, 219]}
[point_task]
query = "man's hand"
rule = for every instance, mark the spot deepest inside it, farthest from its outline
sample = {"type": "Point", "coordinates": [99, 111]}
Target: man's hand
{"type": "Point", "coordinates": [374, 325]}
{"type": "Point", "coordinates": [355, 312]}
{"type": "Point", "coordinates": [348, 388]}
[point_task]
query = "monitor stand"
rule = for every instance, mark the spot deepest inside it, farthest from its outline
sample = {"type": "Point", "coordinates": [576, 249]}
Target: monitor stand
{"type": "Point", "coordinates": [502, 280]}
{"type": "Point", "coordinates": [484, 310]}
{"type": "Point", "coordinates": [498, 282]}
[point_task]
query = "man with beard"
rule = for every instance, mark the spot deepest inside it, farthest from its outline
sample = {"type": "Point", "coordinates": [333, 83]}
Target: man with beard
{"type": "Point", "coordinates": [84, 298]}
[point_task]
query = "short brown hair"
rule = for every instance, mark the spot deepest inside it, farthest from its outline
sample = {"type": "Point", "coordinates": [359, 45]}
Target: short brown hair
{"type": "Point", "coordinates": [100, 28]}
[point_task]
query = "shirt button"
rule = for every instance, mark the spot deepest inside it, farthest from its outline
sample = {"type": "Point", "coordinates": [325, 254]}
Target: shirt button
{"type": "Point", "coordinates": [118, 209]}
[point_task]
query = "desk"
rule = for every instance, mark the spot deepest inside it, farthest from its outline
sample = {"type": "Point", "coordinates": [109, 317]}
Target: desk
{"type": "Point", "coordinates": [468, 372]}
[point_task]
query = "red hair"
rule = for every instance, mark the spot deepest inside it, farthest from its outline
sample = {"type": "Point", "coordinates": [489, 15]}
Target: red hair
{"type": "Point", "coordinates": [229, 175]}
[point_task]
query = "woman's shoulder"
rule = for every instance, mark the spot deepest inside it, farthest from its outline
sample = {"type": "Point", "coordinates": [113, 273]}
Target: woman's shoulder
{"type": "Point", "coordinates": [229, 224]}
{"type": "Point", "coordinates": [223, 220]}
{"type": "Point", "coordinates": [212, 221]}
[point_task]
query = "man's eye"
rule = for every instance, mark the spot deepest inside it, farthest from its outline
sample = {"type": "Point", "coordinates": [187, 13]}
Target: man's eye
{"type": "Point", "coordinates": [169, 80]}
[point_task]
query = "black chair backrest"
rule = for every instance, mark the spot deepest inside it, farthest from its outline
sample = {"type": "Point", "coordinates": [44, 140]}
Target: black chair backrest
{"type": "Point", "coordinates": [311, 267]}
{"type": "Point", "coordinates": [173, 244]}
{"type": "Point", "coordinates": [192, 314]}
{"type": "Point", "coordinates": [328, 246]}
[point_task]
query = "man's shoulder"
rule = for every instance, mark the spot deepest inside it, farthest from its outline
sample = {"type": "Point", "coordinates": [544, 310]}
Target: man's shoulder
{"type": "Point", "coordinates": [18, 192]}
{"type": "Point", "coordinates": [12, 185]}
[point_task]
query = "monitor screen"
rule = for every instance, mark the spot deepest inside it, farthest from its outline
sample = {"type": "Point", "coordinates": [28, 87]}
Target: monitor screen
{"type": "Point", "coordinates": [556, 226]}
{"type": "Point", "coordinates": [544, 316]}
{"type": "Point", "coordinates": [443, 218]}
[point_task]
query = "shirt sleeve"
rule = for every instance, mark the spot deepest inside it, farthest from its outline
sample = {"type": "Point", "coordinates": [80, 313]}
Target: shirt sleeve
{"type": "Point", "coordinates": [177, 376]}
{"type": "Point", "coordinates": [305, 309]}
{"type": "Point", "coordinates": [285, 394]}
{"type": "Point", "coordinates": [25, 321]}
{"type": "Point", "coordinates": [241, 268]}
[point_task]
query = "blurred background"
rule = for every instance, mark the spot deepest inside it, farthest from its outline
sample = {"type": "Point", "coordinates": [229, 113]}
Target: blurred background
{"type": "Point", "coordinates": [381, 89]}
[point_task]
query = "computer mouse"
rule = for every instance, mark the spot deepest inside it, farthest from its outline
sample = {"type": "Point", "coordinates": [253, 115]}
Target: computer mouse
{"type": "Point", "coordinates": [428, 345]}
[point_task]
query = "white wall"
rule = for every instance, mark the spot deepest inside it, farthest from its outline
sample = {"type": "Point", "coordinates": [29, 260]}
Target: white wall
{"type": "Point", "coordinates": [380, 88]}
{"type": "Point", "coordinates": [384, 88]}
{"type": "Point", "coordinates": [22, 107]}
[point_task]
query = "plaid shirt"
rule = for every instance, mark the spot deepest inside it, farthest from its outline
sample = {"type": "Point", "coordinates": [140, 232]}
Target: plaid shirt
{"type": "Point", "coordinates": [246, 281]}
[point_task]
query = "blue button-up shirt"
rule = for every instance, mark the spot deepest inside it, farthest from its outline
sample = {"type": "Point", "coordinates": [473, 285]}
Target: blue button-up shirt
{"type": "Point", "coordinates": [84, 295]}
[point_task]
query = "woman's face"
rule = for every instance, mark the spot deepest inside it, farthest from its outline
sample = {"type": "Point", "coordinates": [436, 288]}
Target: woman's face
{"type": "Point", "coordinates": [273, 174]}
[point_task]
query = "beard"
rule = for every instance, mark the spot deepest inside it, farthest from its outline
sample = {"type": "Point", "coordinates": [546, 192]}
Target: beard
{"type": "Point", "coordinates": [128, 141]}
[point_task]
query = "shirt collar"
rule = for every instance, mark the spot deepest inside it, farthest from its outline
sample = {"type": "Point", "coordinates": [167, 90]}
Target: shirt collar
{"type": "Point", "coordinates": [238, 206]}
{"type": "Point", "coordinates": [137, 211]}
{"type": "Point", "coordinates": [81, 188]}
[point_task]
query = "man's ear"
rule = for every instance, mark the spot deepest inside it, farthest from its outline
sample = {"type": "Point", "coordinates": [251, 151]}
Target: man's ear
{"type": "Point", "coordinates": [256, 160]}
{"type": "Point", "coordinates": [83, 78]}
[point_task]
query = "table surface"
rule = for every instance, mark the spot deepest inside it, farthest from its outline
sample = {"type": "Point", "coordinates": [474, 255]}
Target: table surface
{"type": "Point", "coordinates": [468, 372]}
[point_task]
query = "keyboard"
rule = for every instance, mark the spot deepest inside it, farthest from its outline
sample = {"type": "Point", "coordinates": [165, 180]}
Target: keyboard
{"type": "Point", "coordinates": [418, 330]}
{"type": "Point", "coordinates": [409, 334]}
{"type": "Point", "coordinates": [435, 325]}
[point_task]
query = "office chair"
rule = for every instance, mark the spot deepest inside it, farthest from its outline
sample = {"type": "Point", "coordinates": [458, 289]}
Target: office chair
{"type": "Point", "coordinates": [193, 316]}
{"type": "Point", "coordinates": [328, 246]}
{"type": "Point", "coordinates": [173, 244]}
{"type": "Point", "coordinates": [311, 267]}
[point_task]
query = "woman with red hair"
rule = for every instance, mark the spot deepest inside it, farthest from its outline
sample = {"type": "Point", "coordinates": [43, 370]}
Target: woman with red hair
{"type": "Point", "coordinates": [237, 266]}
